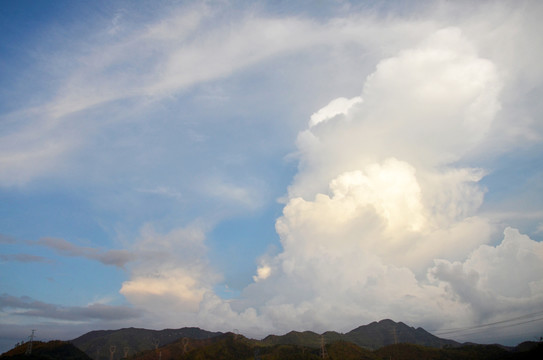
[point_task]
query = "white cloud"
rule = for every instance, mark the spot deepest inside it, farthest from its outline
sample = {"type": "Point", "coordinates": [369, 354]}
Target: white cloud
{"type": "Point", "coordinates": [32, 151]}
{"type": "Point", "coordinates": [382, 221]}
{"type": "Point", "coordinates": [428, 106]}
{"type": "Point", "coordinates": [171, 288]}
{"type": "Point", "coordinates": [497, 282]}
{"type": "Point", "coordinates": [339, 106]}
{"type": "Point", "coordinates": [171, 274]}
{"type": "Point", "coordinates": [246, 196]}
{"type": "Point", "coordinates": [262, 273]}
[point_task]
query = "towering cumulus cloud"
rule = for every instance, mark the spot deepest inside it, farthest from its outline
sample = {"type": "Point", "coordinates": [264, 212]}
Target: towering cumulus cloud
{"type": "Point", "coordinates": [381, 220]}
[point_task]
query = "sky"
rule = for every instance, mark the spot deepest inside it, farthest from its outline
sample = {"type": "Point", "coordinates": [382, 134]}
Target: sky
{"type": "Point", "coordinates": [271, 166]}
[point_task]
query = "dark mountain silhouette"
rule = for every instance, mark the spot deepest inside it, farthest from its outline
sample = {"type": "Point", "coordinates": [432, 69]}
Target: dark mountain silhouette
{"type": "Point", "coordinates": [387, 332]}
{"type": "Point", "coordinates": [306, 338]}
{"type": "Point", "coordinates": [127, 342]}
{"type": "Point", "coordinates": [51, 350]}
{"type": "Point", "coordinates": [372, 336]}
{"type": "Point", "coordinates": [385, 339]}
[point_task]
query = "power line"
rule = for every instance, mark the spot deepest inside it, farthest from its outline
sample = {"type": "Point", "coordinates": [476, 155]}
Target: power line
{"type": "Point", "coordinates": [529, 318]}
{"type": "Point", "coordinates": [475, 331]}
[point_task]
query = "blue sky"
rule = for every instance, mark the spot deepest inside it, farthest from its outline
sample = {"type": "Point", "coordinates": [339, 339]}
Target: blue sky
{"type": "Point", "coordinates": [269, 166]}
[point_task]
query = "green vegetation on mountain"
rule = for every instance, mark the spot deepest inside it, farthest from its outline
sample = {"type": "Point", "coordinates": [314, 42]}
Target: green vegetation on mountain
{"type": "Point", "coordinates": [348, 351]}
{"type": "Point", "coordinates": [228, 347]}
{"type": "Point", "coordinates": [232, 346]}
{"type": "Point", "coordinates": [99, 344]}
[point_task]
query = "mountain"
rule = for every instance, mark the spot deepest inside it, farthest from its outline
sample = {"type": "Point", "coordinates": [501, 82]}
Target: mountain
{"type": "Point", "coordinates": [51, 350]}
{"type": "Point", "coordinates": [372, 336]}
{"type": "Point", "coordinates": [387, 332]}
{"type": "Point", "coordinates": [362, 343]}
{"type": "Point", "coordinates": [306, 338]}
{"type": "Point", "coordinates": [126, 342]}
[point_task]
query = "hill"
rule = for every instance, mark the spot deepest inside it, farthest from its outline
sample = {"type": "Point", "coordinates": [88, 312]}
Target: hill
{"type": "Point", "coordinates": [129, 341]}
{"type": "Point", "coordinates": [51, 350]}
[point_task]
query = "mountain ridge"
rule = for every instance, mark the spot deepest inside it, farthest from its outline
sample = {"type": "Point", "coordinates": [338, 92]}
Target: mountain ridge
{"type": "Point", "coordinates": [98, 344]}
{"type": "Point", "coordinates": [374, 341]}
{"type": "Point", "coordinates": [371, 336]}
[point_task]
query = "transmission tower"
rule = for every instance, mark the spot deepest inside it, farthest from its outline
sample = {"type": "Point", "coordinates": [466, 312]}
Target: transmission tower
{"type": "Point", "coordinates": [112, 349]}
{"type": "Point", "coordinates": [395, 342]}
{"type": "Point", "coordinates": [29, 347]}
{"type": "Point", "coordinates": [126, 350]}
{"type": "Point", "coordinates": [156, 342]}
{"type": "Point", "coordinates": [324, 354]}
{"type": "Point", "coordinates": [185, 343]}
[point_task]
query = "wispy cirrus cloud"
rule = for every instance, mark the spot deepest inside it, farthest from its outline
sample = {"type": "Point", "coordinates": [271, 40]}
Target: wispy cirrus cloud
{"type": "Point", "coordinates": [118, 258]}
{"type": "Point", "coordinates": [24, 258]}
{"type": "Point", "coordinates": [28, 307]}
{"type": "Point", "coordinates": [5, 239]}
{"type": "Point", "coordinates": [150, 64]}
